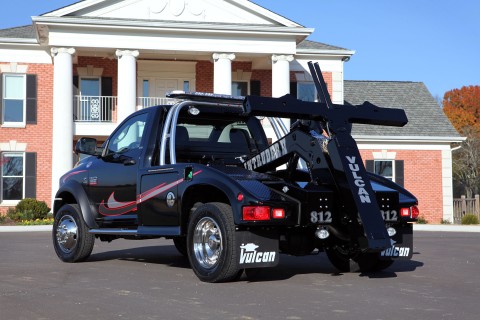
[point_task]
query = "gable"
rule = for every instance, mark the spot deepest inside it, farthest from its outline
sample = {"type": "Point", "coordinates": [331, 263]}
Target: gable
{"type": "Point", "coordinates": [211, 11]}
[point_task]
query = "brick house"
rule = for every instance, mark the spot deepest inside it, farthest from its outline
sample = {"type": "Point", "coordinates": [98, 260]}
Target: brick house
{"type": "Point", "coordinates": [82, 69]}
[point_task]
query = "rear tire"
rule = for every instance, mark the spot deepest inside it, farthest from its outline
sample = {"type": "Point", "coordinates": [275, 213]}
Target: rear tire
{"type": "Point", "coordinates": [71, 239]}
{"type": "Point", "coordinates": [211, 246]}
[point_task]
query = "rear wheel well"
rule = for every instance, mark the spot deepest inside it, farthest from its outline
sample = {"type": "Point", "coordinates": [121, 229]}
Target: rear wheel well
{"type": "Point", "coordinates": [196, 196]}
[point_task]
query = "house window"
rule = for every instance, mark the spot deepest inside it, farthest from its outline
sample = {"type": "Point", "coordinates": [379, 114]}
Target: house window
{"type": "Point", "coordinates": [239, 88]}
{"type": "Point", "coordinates": [12, 164]}
{"type": "Point", "coordinates": [384, 168]}
{"type": "Point", "coordinates": [146, 88]}
{"type": "Point", "coordinates": [14, 97]}
{"type": "Point", "coordinates": [306, 91]}
{"type": "Point", "coordinates": [186, 86]}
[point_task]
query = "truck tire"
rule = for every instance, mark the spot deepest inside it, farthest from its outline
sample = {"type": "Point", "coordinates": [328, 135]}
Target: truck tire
{"type": "Point", "coordinates": [211, 247]}
{"type": "Point", "coordinates": [71, 239]}
{"type": "Point", "coordinates": [363, 262]}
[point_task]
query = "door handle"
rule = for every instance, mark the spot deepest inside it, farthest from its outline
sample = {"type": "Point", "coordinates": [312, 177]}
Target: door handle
{"type": "Point", "coordinates": [129, 162]}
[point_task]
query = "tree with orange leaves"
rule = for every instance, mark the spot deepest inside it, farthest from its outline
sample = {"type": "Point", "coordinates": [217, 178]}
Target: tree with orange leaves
{"type": "Point", "coordinates": [462, 107]}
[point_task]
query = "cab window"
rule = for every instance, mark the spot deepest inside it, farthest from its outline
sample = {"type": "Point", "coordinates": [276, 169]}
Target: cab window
{"type": "Point", "coordinates": [128, 136]}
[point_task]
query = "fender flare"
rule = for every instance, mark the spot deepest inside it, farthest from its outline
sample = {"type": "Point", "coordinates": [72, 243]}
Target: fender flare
{"type": "Point", "coordinates": [228, 187]}
{"type": "Point", "coordinates": [76, 191]}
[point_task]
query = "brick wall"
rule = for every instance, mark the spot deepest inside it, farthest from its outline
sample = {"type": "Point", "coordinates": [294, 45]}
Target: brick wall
{"type": "Point", "coordinates": [204, 76]}
{"type": "Point", "coordinates": [110, 68]}
{"type": "Point", "coordinates": [423, 178]}
{"type": "Point", "coordinates": [38, 137]}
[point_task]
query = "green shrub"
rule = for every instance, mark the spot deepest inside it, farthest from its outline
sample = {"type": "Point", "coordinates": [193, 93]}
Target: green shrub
{"type": "Point", "coordinates": [32, 209]}
{"type": "Point", "coordinates": [18, 216]}
{"type": "Point", "coordinates": [470, 219]}
{"type": "Point", "coordinates": [445, 221]}
{"type": "Point", "coordinates": [422, 220]}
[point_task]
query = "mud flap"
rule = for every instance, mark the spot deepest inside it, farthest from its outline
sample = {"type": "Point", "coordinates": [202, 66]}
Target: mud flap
{"type": "Point", "coordinates": [402, 244]}
{"type": "Point", "coordinates": [257, 249]}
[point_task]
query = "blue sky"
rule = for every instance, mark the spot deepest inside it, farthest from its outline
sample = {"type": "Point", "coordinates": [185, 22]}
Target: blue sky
{"type": "Point", "coordinates": [435, 42]}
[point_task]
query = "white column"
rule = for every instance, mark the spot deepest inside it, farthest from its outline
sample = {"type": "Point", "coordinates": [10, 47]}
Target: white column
{"type": "Point", "coordinates": [281, 77]}
{"type": "Point", "coordinates": [62, 139]}
{"type": "Point", "coordinates": [127, 83]}
{"type": "Point", "coordinates": [222, 72]}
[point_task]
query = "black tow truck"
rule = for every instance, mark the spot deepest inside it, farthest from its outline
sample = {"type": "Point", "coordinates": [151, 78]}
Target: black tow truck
{"type": "Point", "coordinates": [202, 172]}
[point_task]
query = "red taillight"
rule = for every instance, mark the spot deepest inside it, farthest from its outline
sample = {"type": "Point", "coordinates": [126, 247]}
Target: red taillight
{"type": "Point", "coordinates": [415, 212]}
{"type": "Point", "coordinates": [256, 213]}
{"type": "Point", "coordinates": [411, 212]}
{"type": "Point", "coordinates": [278, 213]}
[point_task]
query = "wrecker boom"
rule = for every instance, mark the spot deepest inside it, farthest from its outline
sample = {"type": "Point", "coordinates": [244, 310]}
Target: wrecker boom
{"type": "Point", "coordinates": [324, 123]}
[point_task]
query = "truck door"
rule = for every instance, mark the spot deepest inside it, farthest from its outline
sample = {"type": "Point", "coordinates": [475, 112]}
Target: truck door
{"type": "Point", "coordinates": [113, 178]}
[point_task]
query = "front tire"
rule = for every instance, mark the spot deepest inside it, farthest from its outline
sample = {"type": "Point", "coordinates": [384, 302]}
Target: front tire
{"type": "Point", "coordinates": [211, 246]}
{"type": "Point", "coordinates": [71, 239]}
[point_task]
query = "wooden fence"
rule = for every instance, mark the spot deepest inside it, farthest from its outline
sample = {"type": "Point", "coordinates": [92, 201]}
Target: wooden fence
{"type": "Point", "coordinates": [465, 206]}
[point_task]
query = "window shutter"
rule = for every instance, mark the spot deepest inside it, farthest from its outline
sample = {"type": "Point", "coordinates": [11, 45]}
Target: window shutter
{"type": "Point", "coordinates": [255, 88]}
{"type": "Point", "coordinates": [31, 175]}
{"type": "Point", "coordinates": [75, 85]}
{"type": "Point", "coordinates": [293, 89]}
{"type": "Point", "coordinates": [31, 117]}
{"type": "Point", "coordinates": [107, 91]}
{"type": "Point", "coordinates": [369, 166]}
{"type": "Point", "coordinates": [107, 86]}
{"type": "Point", "coordinates": [399, 172]}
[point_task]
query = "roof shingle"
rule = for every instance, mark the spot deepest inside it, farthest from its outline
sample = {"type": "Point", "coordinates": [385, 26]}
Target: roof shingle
{"type": "Point", "coordinates": [23, 32]}
{"type": "Point", "coordinates": [425, 117]}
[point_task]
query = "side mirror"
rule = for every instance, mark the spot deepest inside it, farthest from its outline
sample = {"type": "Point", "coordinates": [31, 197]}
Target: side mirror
{"type": "Point", "coordinates": [87, 146]}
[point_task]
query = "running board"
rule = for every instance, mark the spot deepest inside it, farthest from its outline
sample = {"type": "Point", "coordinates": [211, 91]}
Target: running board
{"type": "Point", "coordinates": [141, 231]}
{"type": "Point", "coordinates": [115, 231]}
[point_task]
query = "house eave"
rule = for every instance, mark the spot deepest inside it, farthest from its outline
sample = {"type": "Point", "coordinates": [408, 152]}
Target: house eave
{"type": "Point", "coordinates": [408, 139]}
{"type": "Point", "coordinates": [299, 32]}
{"type": "Point", "coordinates": [325, 52]}
{"type": "Point", "coordinates": [18, 41]}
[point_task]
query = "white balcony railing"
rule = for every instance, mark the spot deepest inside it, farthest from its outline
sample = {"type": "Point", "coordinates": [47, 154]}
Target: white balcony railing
{"type": "Point", "coordinates": [100, 108]}
{"type": "Point", "coordinates": [93, 108]}
{"type": "Point", "coordinates": [145, 102]}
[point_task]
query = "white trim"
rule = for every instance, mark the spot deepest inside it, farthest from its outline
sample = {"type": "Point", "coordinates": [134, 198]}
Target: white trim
{"type": "Point", "coordinates": [447, 185]}
{"type": "Point", "coordinates": [402, 146]}
{"type": "Point", "coordinates": [408, 139]}
{"type": "Point", "coordinates": [188, 27]}
{"type": "Point", "coordinates": [12, 146]}
{"type": "Point", "coordinates": [384, 155]}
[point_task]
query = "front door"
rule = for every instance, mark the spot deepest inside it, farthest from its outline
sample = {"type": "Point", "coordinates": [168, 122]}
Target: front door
{"type": "Point", "coordinates": [164, 86]}
{"type": "Point", "coordinates": [112, 178]}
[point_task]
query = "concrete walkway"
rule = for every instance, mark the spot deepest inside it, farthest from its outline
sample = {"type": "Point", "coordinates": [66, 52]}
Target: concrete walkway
{"type": "Point", "coordinates": [416, 227]}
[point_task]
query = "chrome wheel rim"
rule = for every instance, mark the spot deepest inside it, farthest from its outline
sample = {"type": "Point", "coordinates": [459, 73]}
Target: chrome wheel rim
{"type": "Point", "coordinates": [67, 234]}
{"type": "Point", "coordinates": [207, 243]}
